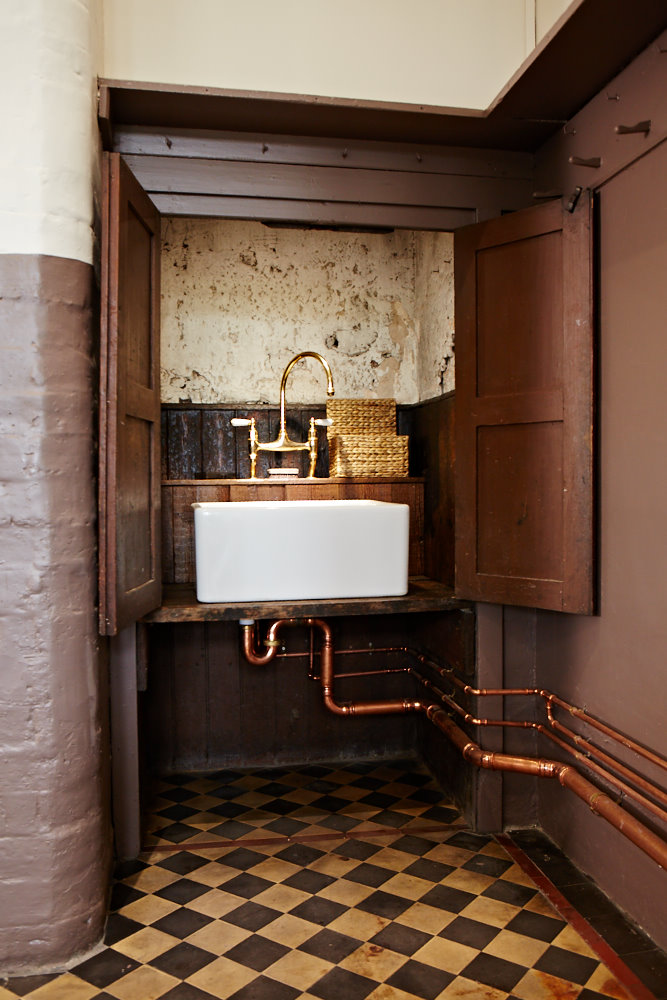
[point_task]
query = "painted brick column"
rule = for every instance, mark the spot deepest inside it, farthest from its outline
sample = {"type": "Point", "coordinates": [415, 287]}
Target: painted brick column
{"type": "Point", "coordinates": [54, 823]}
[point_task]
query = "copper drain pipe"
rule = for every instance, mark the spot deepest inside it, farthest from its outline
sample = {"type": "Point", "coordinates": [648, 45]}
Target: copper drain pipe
{"type": "Point", "coordinates": [388, 707]}
{"type": "Point", "coordinates": [598, 801]}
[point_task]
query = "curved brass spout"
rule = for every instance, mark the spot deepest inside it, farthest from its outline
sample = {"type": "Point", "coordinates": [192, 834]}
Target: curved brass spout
{"type": "Point", "coordinates": [283, 441]}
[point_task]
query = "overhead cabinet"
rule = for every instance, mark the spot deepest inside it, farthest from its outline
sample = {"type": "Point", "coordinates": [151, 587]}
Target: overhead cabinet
{"type": "Point", "coordinates": [523, 407]}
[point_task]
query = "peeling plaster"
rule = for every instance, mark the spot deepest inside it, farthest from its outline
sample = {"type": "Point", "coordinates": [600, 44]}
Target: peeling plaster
{"type": "Point", "coordinates": [239, 300]}
{"type": "Point", "coordinates": [434, 295]}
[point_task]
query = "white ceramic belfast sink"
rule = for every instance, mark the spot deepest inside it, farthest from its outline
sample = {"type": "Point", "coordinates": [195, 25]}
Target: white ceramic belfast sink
{"type": "Point", "coordinates": [275, 550]}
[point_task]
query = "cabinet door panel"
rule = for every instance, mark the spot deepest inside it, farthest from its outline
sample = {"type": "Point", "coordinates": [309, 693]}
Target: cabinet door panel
{"type": "Point", "coordinates": [524, 406]}
{"type": "Point", "coordinates": [130, 576]}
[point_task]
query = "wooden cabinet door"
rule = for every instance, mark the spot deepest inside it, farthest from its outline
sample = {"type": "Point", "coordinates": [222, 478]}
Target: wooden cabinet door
{"type": "Point", "coordinates": [524, 409]}
{"type": "Point", "coordinates": [129, 480]}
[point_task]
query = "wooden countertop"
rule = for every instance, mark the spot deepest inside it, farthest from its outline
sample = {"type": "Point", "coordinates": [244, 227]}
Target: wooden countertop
{"type": "Point", "coordinates": [179, 604]}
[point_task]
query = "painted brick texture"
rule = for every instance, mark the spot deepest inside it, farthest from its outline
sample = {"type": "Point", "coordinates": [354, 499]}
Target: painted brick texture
{"type": "Point", "coordinates": [54, 825]}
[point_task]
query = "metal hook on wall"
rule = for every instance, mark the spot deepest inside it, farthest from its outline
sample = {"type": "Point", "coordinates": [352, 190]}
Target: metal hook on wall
{"type": "Point", "coordinates": [574, 198]}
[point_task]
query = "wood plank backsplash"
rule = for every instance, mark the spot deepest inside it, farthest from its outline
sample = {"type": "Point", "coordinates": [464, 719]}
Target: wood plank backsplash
{"type": "Point", "coordinates": [199, 442]}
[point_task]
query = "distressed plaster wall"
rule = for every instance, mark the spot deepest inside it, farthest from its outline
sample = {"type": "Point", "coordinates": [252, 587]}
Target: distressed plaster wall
{"type": "Point", "coordinates": [241, 299]}
{"type": "Point", "coordinates": [434, 312]}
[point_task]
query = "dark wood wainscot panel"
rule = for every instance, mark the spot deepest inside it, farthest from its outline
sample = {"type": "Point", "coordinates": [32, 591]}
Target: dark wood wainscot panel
{"type": "Point", "coordinates": [199, 442]}
{"type": "Point", "coordinates": [431, 428]}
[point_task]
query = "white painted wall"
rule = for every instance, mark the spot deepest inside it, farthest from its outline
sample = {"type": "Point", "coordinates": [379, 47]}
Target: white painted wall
{"type": "Point", "coordinates": [547, 12]}
{"type": "Point", "coordinates": [457, 53]}
{"type": "Point", "coordinates": [51, 52]}
{"type": "Point", "coordinates": [240, 300]}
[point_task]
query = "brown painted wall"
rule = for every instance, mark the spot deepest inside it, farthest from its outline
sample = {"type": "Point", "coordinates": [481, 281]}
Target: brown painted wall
{"type": "Point", "coordinates": [54, 825]}
{"type": "Point", "coordinates": [611, 663]}
{"type": "Point", "coordinates": [614, 662]}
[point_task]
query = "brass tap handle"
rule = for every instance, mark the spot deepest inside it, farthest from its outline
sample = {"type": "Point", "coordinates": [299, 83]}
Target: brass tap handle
{"type": "Point", "coordinates": [253, 440]}
{"type": "Point", "coordinates": [312, 447]}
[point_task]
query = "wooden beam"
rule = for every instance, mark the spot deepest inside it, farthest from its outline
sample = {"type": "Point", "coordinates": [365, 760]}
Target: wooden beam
{"type": "Point", "coordinates": [307, 213]}
{"type": "Point", "coordinates": [322, 152]}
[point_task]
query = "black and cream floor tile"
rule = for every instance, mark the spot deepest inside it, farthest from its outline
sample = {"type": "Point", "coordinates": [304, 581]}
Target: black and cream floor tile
{"type": "Point", "coordinates": [324, 883]}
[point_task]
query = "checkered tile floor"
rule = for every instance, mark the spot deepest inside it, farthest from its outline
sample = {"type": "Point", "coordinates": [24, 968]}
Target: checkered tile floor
{"type": "Point", "coordinates": [355, 883]}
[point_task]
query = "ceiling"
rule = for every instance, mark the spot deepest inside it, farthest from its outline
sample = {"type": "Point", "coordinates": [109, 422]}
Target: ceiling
{"type": "Point", "coordinates": [564, 72]}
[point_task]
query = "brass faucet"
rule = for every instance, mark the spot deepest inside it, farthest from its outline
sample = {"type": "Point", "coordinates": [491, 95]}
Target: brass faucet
{"type": "Point", "coordinates": [284, 442]}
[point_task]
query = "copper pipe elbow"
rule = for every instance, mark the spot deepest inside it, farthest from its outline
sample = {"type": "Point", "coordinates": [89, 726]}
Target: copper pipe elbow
{"type": "Point", "coordinates": [249, 650]}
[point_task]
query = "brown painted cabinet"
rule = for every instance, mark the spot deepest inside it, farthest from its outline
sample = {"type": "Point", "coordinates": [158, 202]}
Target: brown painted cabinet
{"type": "Point", "coordinates": [130, 576]}
{"type": "Point", "coordinates": [523, 409]}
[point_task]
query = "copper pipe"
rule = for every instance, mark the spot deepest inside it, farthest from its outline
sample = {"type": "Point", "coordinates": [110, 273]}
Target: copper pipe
{"type": "Point", "coordinates": [622, 787]}
{"type": "Point", "coordinates": [578, 713]}
{"type": "Point", "coordinates": [597, 801]}
{"type": "Point", "coordinates": [625, 741]}
{"type": "Point", "coordinates": [591, 750]}
{"type": "Point", "coordinates": [249, 638]}
{"type": "Point", "coordinates": [387, 707]}
{"type": "Point", "coordinates": [373, 673]}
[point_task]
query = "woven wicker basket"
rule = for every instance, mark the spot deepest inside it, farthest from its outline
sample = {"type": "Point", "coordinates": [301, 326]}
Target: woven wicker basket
{"type": "Point", "coordinates": [362, 416]}
{"type": "Point", "coordinates": [368, 455]}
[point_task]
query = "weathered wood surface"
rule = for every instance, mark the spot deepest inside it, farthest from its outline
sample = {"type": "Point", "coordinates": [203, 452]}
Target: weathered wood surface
{"type": "Point", "coordinates": [311, 180]}
{"type": "Point", "coordinates": [181, 605]}
{"type": "Point", "coordinates": [178, 516]}
{"type": "Point", "coordinates": [207, 707]}
{"type": "Point", "coordinates": [129, 455]}
{"type": "Point", "coordinates": [431, 428]}
{"type": "Point", "coordinates": [199, 442]}
{"type": "Point", "coordinates": [195, 177]}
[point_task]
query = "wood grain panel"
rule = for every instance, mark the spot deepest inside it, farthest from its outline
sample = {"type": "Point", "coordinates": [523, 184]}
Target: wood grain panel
{"type": "Point", "coordinates": [510, 357]}
{"type": "Point", "coordinates": [167, 520]}
{"type": "Point", "coordinates": [432, 456]}
{"type": "Point", "coordinates": [189, 685]}
{"type": "Point", "coordinates": [129, 458]}
{"type": "Point", "coordinates": [184, 444]}
{"type": "Point", "coordinates": [339, 213]}
{"type": "Point", "coordinates": [524, 409]}
{"type": "Point", "coordinates": [306, 150]}
{"type": "Point", "coordinates": [218, 446]}
{"type": "Point", "coordinates": [224, 723]}
{"type": "Point", "coordinates": [296, 182]}
{"type": "Point", "coordinates": [180, 605]}
{"type": "Point", "coordinates": [207, 708]}
{"type": "Point", "coordinates": [520, 531]}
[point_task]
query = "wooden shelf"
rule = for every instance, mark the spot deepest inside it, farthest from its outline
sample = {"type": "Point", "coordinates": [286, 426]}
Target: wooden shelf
{"type": "Point", "coordinates": [181, 605]}
{"type": "Point", "coordinates": [255, 485]}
